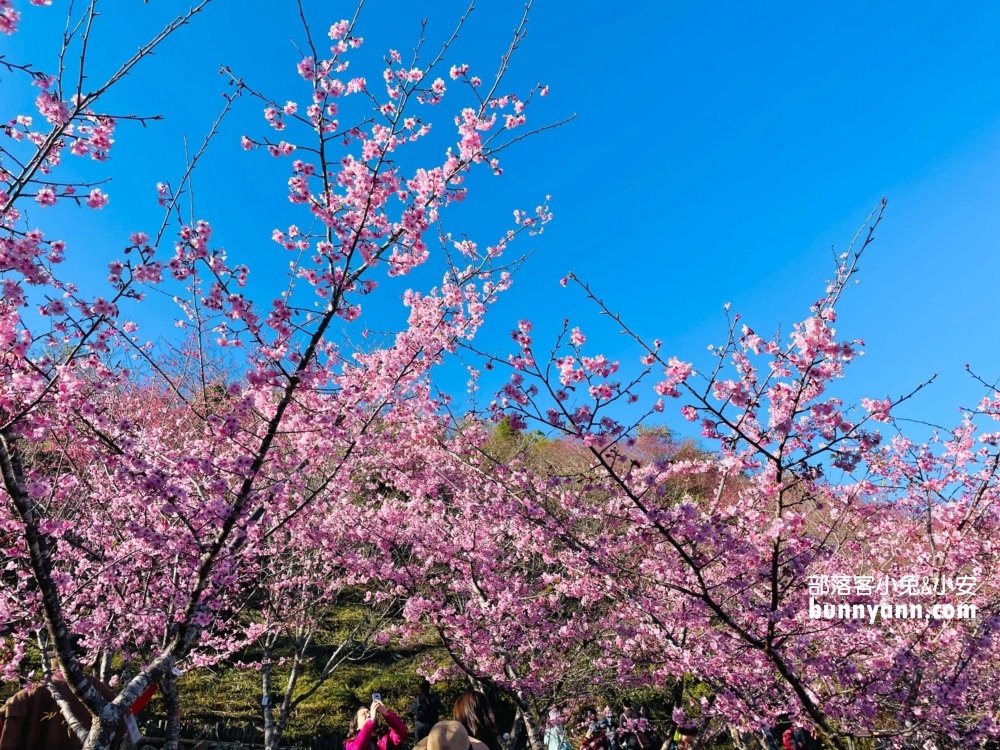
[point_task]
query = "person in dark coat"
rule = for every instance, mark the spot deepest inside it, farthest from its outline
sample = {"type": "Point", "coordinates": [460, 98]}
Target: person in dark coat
{"type": "Point", "coordinates": [426, 710]}
{"type": "Point", "coordinates": [32, 719]}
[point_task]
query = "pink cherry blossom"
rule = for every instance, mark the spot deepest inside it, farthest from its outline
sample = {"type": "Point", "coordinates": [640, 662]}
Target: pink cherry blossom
{"type": "Point", "coordinates": [97, 199]}
{"type": "Point", "coordinates": [46, 197]}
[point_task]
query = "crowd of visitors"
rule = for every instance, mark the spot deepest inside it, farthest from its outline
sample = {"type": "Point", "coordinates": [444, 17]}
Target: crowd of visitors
{"type": "Point", "coordinates": [33, 719]}
{"type": "Point", "coordinates": [473, 726]}
{"type": "Point", "coordinates": [632, 730]}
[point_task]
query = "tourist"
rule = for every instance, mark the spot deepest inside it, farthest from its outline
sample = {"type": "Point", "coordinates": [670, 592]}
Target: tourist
{"type": "Point", "coordinates": [594, 736]}
{"type": "Point", "coordinates": [555, 734]}
{"type": "Point", "coordinates": [426, 710]}
{"type": "Point", "coordinates": [449, 735]}
{"type": "Point", "coordinates": [649, 729]}
{"type": "Point", "coordinates": [627, 723]}
{"type": "Point", "coordinates": [472, 710]}
{"type": "Point", "coordinates": [31, 718]}
{"type": "Point", "coordinates": [683, 739]}
{"type": "Point", "coordinates": [368, 733]}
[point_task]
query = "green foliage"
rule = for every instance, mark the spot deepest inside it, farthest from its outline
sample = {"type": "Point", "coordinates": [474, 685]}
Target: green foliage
{"type": "Point", "coordinates": [232, 694]}
{"type": "Point", "coordinates": [504, 432]}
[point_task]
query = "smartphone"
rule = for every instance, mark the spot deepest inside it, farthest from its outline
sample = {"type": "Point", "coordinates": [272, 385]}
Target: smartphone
{"type": "Point", "coordinates": [376, 697]}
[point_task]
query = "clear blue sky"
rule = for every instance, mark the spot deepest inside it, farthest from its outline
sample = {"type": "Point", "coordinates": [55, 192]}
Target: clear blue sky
{"type": "Point", "coordinates": [719, 151]}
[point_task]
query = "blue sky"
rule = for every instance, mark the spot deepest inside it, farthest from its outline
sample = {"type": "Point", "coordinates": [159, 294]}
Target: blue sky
{"type": "Point", "coordinates": [720, 149]}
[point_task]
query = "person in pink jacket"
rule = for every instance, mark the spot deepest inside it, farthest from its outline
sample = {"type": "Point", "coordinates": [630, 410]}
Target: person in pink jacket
{"type": "Point", "coordinates": [365, 733]}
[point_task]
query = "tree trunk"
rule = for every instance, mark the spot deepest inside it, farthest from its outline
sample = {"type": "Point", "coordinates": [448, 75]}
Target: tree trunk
{"type": "Point", "coordinates": [102, 735]}
{"type": "Point", "coordinates": [286, 699]}
{"type": "Point", "coordinates": [104, 671]}
{"type": "Point", "coordinates": [168, 685]}
{"type": "Point", "coordinates": [270, 740]}
{"type": "Point", "coordinates": [534, 739]}
{"type": "Point", "coordinates": [739, 739]}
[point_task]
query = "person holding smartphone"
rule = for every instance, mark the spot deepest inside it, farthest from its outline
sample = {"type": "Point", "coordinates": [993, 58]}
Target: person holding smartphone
{"type": "Point", "coordinates": [367, 732]}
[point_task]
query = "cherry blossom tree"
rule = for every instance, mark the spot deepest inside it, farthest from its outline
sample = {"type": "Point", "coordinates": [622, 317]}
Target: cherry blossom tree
{"type": "Point", "coordinates": [477, 579]}
{"type": "Point", "coordinates": [314, 575]}
{"type": "Point", "coordinates": [716, 583]}
{"type": "Point", "coordinates": [145, 508]}
{"type": "Point", "coordinates": [118, 477]}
